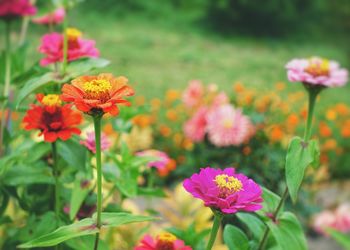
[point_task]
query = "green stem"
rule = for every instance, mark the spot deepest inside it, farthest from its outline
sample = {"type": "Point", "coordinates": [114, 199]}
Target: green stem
{"type": "Point", "coordinates": [7, 84]}
{"type": "Point", "coordinates": [214, 230]}
{"type": "Point", "coordinates": [56, 176]}
{"type": "Point", "coordinates": [65, 44]}
{"type": "Point", "coordinates": [312, 100]}
{"type": "Point", "coordinates": [97, 126]}
{"type": "Point", "coordinates": [274, 216]}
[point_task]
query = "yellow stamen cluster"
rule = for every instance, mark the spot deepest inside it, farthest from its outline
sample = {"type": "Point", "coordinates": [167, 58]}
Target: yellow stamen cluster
{"type": "Point", "coordinates": [167, 237]}
{"type": "Point", "coordinates": [318, 67]}
{"type": "Point", "coordinates": [97, 89]}
{"type": "Point", "coordinates": [228, 123]}
{"type": "Point", "coordinates": [51, 100]}
{"type": "Point", "coordinates": [230, 183]}
{"type": "Point", "coordinates": [73, 33]}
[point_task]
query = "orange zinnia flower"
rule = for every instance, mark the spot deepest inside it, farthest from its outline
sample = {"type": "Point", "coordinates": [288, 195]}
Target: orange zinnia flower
{"type": "Point", "coordinates": [52, 119]}
{"type": "Point", "coordinates": [98, 94]}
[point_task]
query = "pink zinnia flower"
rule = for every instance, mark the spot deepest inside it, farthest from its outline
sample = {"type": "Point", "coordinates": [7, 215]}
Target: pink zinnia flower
{"type": "Point", "coordinates": [317, 71]}
{"type": "Point", "coordinates": [52, 47]}
{"type": "Point", "coordinates": [193, 94]}
{"type": "Point", "coordinates": [90, 142]}
{"type": "Point", "coordinates": [227, 126]}
{"type": "Point", "coordinates": [338, 219]}
{"type": "Point", "coordinates": [55, 17]}
{"type": "Point", "coordinates": [220, 99]}
{"type": "Point", "coordinates": [164, 241]}
{"type": "Point", "coordinates": [195, 128]}
{"type": "Point", "coordinates": [16, 8]}
{"type": "Point", "coordinates": [164, 164]}
{"type": "Point", "coordinates": [225, 190]}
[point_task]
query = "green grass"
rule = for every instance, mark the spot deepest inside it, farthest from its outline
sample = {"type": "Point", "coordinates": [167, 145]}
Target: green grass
{"type": "Point", "coordinates": [158, 53]}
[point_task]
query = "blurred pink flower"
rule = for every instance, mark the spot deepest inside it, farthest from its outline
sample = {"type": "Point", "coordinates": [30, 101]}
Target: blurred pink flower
{"type": "Point", "coordinates": [90, 144]}
{"type": "Point", "coordinates": [227, 126]}
{"type": "Point", "coordinates": [16, 8]}
{"type": "Point", "coordinates": [163, 163]}
{"type": "Point", "coordinates": [55, 17]}
{"type": "Point", "coordinates": [317, 71]}
{"type": "Point", "coordinates": [338, 219]}
{"type": "Point", "coordinates": [52, 47]}
{"type": "Point", "coordinates": [195, 128]}
{"type": "Point", "coordinates": [225, 190]}
{"type": "Point", "coordinates": [193, 93]}
{"type": "Point", "coordinates": [220, 99]}
{"type": "Point", "coordinates": [164, 241]}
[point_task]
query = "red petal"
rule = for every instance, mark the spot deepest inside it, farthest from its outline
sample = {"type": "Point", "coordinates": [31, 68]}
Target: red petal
{"type": "Point", "coordinates": [50, 136]}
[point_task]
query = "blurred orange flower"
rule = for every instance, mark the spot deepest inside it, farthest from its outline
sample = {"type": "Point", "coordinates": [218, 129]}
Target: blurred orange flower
{"type": "Point", "coordinates": [142, 120]}
{"type": "Point", "coordinates": [342, 109]}
{"type": "Point", "coordinates": [325, 130]}
{"type": "Point", "coordinates": [171, 115]}
{"type": "Point", "coordinates": [276, 133]}
{"type": "Point", "coordinates": [164, 130]}
{"type": "Point", "coordinates": [331, 114]}
{"type": "Point", "coordinates": [172, 95]}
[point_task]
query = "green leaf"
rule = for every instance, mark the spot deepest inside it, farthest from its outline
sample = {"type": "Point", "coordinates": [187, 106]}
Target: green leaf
{"type": "Point", "coordinates": [157, 192]}
{"type": "Point", "coordinates": [81, 228]}
{"type": "Point", "coordinates": [117, 219]}
{"type": "Point", "coordinates": [32, 85]}
{"type": "Point", "coordinates": [84, 227]}
{"type": "Point", "coordinates": [342, 238]}
{"type": "Point", "coordinates": [85, 243]}
{"type": "Point", "coordinates": [73, 153]}
{"type": "Point", "coordinates": [235, 238]}
{"type": "Point", "coordinates": [85, 65]}
{"type": "Point", "coordinates": [28, 174]}
{"type": "Point", "coordinates": [270, 203]}
{"type": "Point", "coordinates": [299, 156]}
{"type": "Point", "coordinates": [288, 232]}
{"type": "Point", "coordinates": [253, 223]}
{"type": "Point", "coordinates": [79, 193]}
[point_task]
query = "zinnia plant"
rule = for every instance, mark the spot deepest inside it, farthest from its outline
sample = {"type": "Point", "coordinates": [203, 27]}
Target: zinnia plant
{"type": "Point", "coordinates": [51, 18]}
{"type": "Point", "coordinates": [163, 163]}
{"type": "Point", "coordinates": [225, 192]}
{"type": "Point", "coordinates": [96, 96]}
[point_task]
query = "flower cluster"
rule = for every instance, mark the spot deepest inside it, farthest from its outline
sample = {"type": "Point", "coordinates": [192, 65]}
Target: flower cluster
{"type": "Point", "coordinates": [216, 117]}
{"type": "Point", "coordinates": [52, 46]}
{"type": "Point", "coordinates": [164, 241]}
{"type": "Point", "coordinates": [225, 190]}
{"type": "Point", "coordinates": [338, 219]}
{"type": "Point", "coordinates": [163, 163]}
{"type": "Point", "coordinates": [54, 120]}
{"type": "Point", "coordinates": [10, 9]}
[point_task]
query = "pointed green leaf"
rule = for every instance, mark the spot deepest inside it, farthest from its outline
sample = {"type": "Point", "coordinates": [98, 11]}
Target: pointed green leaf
{"type": "Point", "coordinates": [85, 65]}
{"type": "Point", "coordinates": [270, 203]}
{"type": "Point", "coordinates": [288, 232]}
{"type": "Point", "coordinates": [85, 243]}
{"type": "Point", "coordinates": [299, 156]}
{"type": "Point", "coordinates": [235, 239]}
{"type": "Point", "coordinates": [253, 223]}
{"type": "Point", "coordinates": [117, 219]}
{"type": "Point", "coordinates": [342, 238]}
{"type": "Point", "coordinates": [79, 193]}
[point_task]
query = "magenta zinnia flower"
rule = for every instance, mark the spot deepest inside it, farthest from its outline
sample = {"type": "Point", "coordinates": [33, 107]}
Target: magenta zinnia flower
{"type": "Point", "coordinates": [317, 71]}
{"type": "Point", "coordinates": [90, 142]}
{"type": "Point", "coordinates": [55, 17]}
{"type": "Point", "coordinates": [164, 241]}
{"type": "Point", "coordinates": [195, 128]}
{"type": "Point", "coordinates": [16, 8]}
{"type": "Point", "coordinates": [224, 190]}
{"type": "Point", "coordinates": [227, 126]}
{"type": "Point", "coordinates": [52, 47]}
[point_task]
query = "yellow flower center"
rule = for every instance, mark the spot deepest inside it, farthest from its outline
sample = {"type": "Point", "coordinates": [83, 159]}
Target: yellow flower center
{"type": "Point", "coordinates": [228, 123]}
{"type": "Point", "coordinates": [228, 183]}
{"type": "Point", "coordinates": [73, 33]}
{"type": "Point", "coordinates": [51, 100]}
{"type": "Point", "coordinates": [166, 237]}
{"type": "Point", "coordinates": [318, 67]}
{"type": "Point", "coordinates": [97, 89]}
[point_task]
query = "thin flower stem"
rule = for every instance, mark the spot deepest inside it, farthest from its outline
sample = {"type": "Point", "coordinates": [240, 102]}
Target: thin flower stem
{"type": "Point", "coordinates": [56, 176]}
{"type": "Point", "coordinates": [274, 216]}
{"type": "Point", "coordinates": [7, 84]}
{"type": "Point", "coordinates": [97, 126]}
{"type": "Point", "coordinates": [65, 44]}
{"type": "Point", "coordinates": [214, 230]}
{"type": "Point", "coordinates": [312, 100]}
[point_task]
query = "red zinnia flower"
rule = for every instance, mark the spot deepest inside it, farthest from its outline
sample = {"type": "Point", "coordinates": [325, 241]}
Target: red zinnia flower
{"type": "Point", "coordinates": [16, 8]}
{"type": "Point", "coordinates": [52, 119]}
{"type": "Point", "coordinates": [97, 94]}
